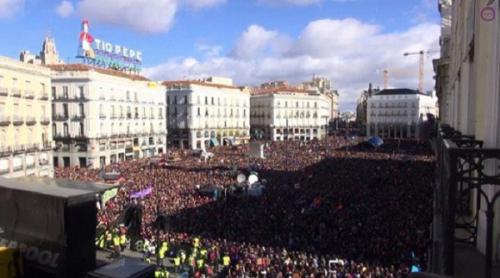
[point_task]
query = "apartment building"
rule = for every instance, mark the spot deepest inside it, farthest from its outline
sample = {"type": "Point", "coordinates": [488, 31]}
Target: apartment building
{"type": "Point", "coordinates": [280, 114]}
{"type": "Point", "coordinates": [103, 116]}
{"type": "Point", "coordinates": [25, 138]}
{"type": "Point", "coordinates": [207, 113]}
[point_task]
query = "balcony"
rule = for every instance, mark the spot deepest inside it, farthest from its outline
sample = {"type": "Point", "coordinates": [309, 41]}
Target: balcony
{"type": "Point", "coordinates": [60, 118]}
{"type": "Point", "coordinates": [29, 94]}
{"type": "Point", "coordinates": [17, 149]}
{"type": "Point", "coordinates": [78, 99]}
{"type": "Point", "coordinates": [16, 92]}
{"type": "Point", "coordinates": [60, 136]}
{"type": "Point", "coordinates": [466, 177]}
{"type": "Point", "coordinates": [32, 147]}
{"type": "Point", "coordinates": [77, 118]}
{"type": "Point", "coordinates": [43, 96]}
{"type": "Point", "coordinates": [18, 120]}
{"type": "Point", "coordinates": [30, 120]}
{"type": "Point", "coordinates": [44, 120]}
{"type": "Point", "coordinates": [102, 116]}
{"type": "Point", "coordinates": [5, 151]}
{"type": "Point", "coordinates": [4, 91]}
{"type": "Point", "coordinates": [47, 146]}
{"type": "Point", "coordinates": [4, 120]}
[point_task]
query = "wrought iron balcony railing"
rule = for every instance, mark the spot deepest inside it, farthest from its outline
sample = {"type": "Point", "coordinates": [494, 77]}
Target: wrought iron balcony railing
{"type": "Point", "coordinates": [44, 120]}
{"type": "Point", "coordinates": [465, 177]}
{"type": "Point", "coordinates": [18, 120]}
{"type": "Point", "coordinates": [4, 91]}
{"type": "Point", "coordinates": [29, 94]}
{"type": "Point", "coordinates": [30, 120]}
{"type": "Point", "coordinates": [60, 117]}
{"type": "Point", "coordinates": [16, 92]}
{"type": "Point", "coordinates": [4, 120]}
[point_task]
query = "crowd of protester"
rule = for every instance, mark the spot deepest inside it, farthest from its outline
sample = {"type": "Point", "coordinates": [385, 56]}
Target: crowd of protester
{"type": "Point", "coordinates": [330, 208]}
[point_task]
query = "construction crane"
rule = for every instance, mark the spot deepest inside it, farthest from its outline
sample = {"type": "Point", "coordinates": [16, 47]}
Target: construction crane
{"type": "Point", "coordinates": [421, 53]}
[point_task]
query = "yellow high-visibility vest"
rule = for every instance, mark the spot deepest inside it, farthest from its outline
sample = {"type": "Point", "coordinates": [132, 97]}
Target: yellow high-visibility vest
{"type": "Point", "coordinates": [226, 260]}
{"type": "Point", "coordinates": [204, 252]}
{"type": "Point", "coordinates": [196, 242]}
{"type": "Point", "coordinates": [200, 263]}
{"type": "Point", "coordinates": [123, 239]}
{"type": "Point", "coordinates": [116, 241]}
{"type": "Point", "coordinates": [177, 261]}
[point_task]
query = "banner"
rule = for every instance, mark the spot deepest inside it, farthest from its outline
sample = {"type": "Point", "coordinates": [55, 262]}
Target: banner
{"type": "Point", "coordinates": [108, 194]}
{"type": "Point", "coordinates": [143, 193]}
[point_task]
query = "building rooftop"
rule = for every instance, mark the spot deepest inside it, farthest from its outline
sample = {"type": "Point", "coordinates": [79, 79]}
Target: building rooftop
{"type": "Point", "coordinates": [279, 90]}
{"type": "Point", "coordinates": [82, 67]}
{"type": "Point", "coordinates": [200, 83]}
{"type": "Point", "coordinates": [399, 92]}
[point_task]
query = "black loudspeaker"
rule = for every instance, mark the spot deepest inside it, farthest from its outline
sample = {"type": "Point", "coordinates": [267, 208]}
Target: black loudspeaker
{"type": "Point", "coordinates": [131, 218]}
{"type": "Point", "coordinates": [162, 222]}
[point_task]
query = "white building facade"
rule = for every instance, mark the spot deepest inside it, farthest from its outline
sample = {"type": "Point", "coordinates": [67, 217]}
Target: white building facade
{"type": "Point", "coordinates": [397, 113]}
{"type": "Point", "coordinates": [207, 113]}
{"type": "Point", "coordinates": [289, 114]}
{"type": "Point", "coordinates": [25, 139]}
{"type": "Point", "coordinates": [105, 116]}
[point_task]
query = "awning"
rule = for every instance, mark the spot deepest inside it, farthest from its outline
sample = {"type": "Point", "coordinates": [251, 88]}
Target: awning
{"type": "Point", "coordinates": [214, 142]}
{"type": "Point", "coordinates": [229, 140]}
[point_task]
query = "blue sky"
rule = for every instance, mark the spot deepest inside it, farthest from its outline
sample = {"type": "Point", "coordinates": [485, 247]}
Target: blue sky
{"type": "Point", "coordinates": [249, 40]}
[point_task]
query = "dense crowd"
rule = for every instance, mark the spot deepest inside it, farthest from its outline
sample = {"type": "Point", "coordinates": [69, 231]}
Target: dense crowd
{"type": "Point", "coordinates": [330, 208]}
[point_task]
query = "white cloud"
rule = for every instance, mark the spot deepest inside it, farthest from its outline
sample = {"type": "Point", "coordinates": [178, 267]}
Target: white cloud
{"type": "Point", "coordinates": [142, 16]}
{"type": "Point", "coordinates": [209, 50]}
{"type": "Point", "coordinates": [198, 4]}
{"type": "Point", "coordinates": [155, 16]}
{"type": "Point", "coordinates": [257, 41]}
{"type": "Point", "coordinates": [290, 2]}
{"type": "Point", "coordinates": [65, 9]}
{"type": "Point", "coordinates": [349, 52]}
{"type": "Point", "coordinates": [8, 8]}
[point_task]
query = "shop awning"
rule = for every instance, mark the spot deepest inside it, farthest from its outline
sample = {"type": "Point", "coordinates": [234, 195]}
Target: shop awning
{"type": "Point", "coordinates": [214, 142]}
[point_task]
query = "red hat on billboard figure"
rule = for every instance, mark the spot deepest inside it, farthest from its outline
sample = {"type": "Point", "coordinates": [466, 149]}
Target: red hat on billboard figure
{"type": "Point", "coordinates": [86, 41]}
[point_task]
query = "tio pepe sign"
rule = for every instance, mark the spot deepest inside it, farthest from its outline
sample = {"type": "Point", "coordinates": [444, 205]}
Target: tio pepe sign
{"type": "Point", "coordinates": [104, 54]}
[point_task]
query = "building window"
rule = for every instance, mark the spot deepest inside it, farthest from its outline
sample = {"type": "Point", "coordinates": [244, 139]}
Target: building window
{"type": "Point", "coordinates": [65, 110]}
{"type": "Point", "coordinates": [81, 91]}
{"type": "Point", "coordinates": [54, 92]}
{"type": "Point", "coordinates": [82, 130]}
{"type": "Point", "coordinates": [54, 130]}
{"type": "Point", "coordinates": [199, 111]}
{"type": "Point", "coordinates": [206, 100]}
{"type": "Point", "coordinates": [65, 130]}
{"type": "Point", "coordinates": [65, 92]}
{"type": "Point", "coordinates": [213, 102]}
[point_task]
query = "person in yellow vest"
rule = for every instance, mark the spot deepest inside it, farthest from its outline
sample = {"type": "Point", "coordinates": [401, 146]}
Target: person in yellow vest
{"type": "Point", "coordinates": [109, 239]}
{"type": "Point", "coordinates": [101, 241]}
{"type": "Point", "coordinates": [116, 244]}
{"type": "Point", "coordinates": [204, 253]}
{"type": "Point", "coordinates": [163, 252]}
{"type": "Point", "coordinates": [226, 261]}
{"type": "Point", "coordinates": [123, 241]}
{"type": "Point", "coordinates": [196, 242]}
{"type": "Point", "coordinates": [200, 264]}
{"type": "Point", "coordinates": [177, 263]}
{"type": "Point", "coordinates": [161, 273]}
